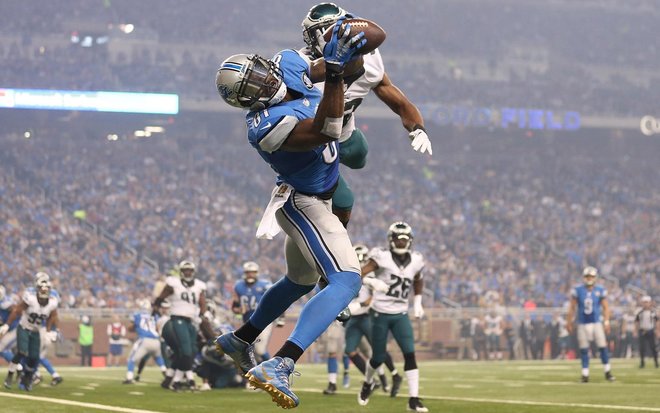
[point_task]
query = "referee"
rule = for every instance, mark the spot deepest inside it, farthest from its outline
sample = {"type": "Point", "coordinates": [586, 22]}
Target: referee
{"type": "Point", "coordinates": [646, 321]}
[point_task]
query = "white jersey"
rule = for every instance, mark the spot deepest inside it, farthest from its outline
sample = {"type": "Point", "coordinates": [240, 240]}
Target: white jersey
{"type": "Point", "coordinates": [184, 299]}
{"type": "Point", "coordinates": [493, 325]}
{"type": "Point", "coordinates": [561, 327]}
{"type": "Point", "coordinates": [398, 278]}
{"type": "Point", "coordinates": [35, 315]}
{"type": "Point", "coordinates": [160, 323]}
{"type": "Point", "coordinates": [358, 89]}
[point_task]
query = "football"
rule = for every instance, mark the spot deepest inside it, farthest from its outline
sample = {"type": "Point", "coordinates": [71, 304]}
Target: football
{"type": "Point", "coordinates": [374, 34]}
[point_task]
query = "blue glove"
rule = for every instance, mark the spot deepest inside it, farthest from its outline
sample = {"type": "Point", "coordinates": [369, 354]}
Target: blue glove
{"type": "Point", "coordinates": [341, 48]}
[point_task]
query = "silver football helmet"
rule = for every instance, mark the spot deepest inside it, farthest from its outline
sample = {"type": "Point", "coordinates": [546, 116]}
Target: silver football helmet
{"type": "Point", "coordinates": [589, 274]}
{"type": "Point", "coordinates": [317, 20]}
{"type": "Point", "coordinates": [187, 270]}
{"type": "Point", "coordinates": [400, 231]}
{"type": "Point", "coordinates": [361, 250]}
{"type": "Point", "coordinates": [250, 271]}
{"type": "Point", "coordinates": [249, 81]}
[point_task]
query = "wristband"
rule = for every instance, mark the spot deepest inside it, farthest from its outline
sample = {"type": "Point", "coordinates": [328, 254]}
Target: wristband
{"type": "Point", "coordinates": [417, 126]}
{"type": "Point", "coordinates": [333, 72]}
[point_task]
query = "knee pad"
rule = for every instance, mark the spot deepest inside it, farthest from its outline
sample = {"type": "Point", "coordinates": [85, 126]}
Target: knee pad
{"type": "Point", "coordinates": [409, 362]}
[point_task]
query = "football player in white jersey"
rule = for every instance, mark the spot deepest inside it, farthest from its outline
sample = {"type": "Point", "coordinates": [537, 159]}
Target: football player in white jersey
{"type": "Point", "coordinates": [401, 268]}
{"type": "Point", "coordinates": [186, 296]}
{"type": "Point", "coordinates": [37, 305]}
{"type": "Point", "coordinates": [359, 79]}
{"type": "Point", "coordinates": [493, 334]}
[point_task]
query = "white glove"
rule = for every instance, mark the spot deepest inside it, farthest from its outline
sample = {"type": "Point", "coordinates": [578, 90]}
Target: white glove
{"type": "Point", "coordinates": [420, 141]}
{"type": "Point", "coordinates": [375, 284]}
{"type": "Point", "coordinates": [354, 306]}
{"type": "Point", "coordinates": [51, 336]}
{"type": "Point", "coordinates": [4, 329]}
{"type": "Point", "coordinates": [418, 310]}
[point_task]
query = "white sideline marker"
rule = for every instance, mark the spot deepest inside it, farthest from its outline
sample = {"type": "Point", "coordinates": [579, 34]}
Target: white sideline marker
{"type": "Point", "coordinates": [75, 403]}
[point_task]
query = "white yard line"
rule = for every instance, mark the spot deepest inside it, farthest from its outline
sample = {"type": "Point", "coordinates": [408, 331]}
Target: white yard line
{"type": "Point", "coordinates": [75, 403]}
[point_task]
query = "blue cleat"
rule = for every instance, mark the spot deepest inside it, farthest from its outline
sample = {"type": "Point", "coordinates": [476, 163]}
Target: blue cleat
{"type": "Point", "coordinates": [237, 349]}
{"type": "Point", "coordinates": [273, 377]}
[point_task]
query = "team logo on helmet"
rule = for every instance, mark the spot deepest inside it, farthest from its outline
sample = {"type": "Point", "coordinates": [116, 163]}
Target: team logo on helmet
{"type": "Point", "coordinates": [400, 231]}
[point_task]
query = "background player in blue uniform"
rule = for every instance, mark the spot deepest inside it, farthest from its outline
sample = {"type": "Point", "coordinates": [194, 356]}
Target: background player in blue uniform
{"type": "Point", "coordinates": [247, 294]}
{"type": "Point", "coordinates": [147, 343]}
{"type": "Point", "coordinates": [588, 299]}
{"type": "Point", "coordinates": [294, 128]}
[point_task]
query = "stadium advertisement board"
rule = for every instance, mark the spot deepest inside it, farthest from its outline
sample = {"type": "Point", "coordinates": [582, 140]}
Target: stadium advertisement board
{"type": "Point", "coordinates": [503, 117]}
{"type": "Point", "coordinates": [97, 101]}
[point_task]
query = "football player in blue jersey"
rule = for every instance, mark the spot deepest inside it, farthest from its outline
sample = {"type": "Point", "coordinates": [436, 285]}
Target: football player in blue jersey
{"type": "Point", "coordinates": [367, 74]}
{"type": "Point", "coordinates": [7, 342]}
{"type": "Point", "coordinates": [294, 128]}
{"type": "Point", "coordinates": [592, 324]}
{"type": "Point", "coordinates": [147, 343]}
{"type": "Point", "coordinates": [247, 294]}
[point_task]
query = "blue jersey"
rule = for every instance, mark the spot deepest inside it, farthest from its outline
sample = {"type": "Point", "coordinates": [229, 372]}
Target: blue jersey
{"type": "Point", "coordinates": [6, 305]}
{"type": "Point", "coordinates": [250, 295]}
{"type": "Point", "coordinates": [145, 325]}
{"type": "Point", "coordinates": [589, 302]}
{"type": "Point", "coordinates": [312, 172]}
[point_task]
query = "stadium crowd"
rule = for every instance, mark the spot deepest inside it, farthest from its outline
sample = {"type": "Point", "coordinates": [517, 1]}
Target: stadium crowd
{"type": "Point", "coordinates": [529, 55]}
{"type": "Point", "coordinates": [521, 220]}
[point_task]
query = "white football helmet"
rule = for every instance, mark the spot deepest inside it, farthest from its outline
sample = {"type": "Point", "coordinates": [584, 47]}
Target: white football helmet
{"type": "Point", "coordinates": [250, 271]}
{"type": "Point", "coordinates": [397, 231]}
{"type": "Point", "coordinates": [187, 270]}
{"type": "Point", "coordinates": [249, 81]}
{"type": "Point", "coordinates": [43, 289]}
{"type": "Point", "coordinates": [589, 274]}
{"type": "Point", "coordinates": [41, 277]}
{"type": "Point", "coordinates": [361, 250]}
{"type": "Point", "coordinates": [317, 20]}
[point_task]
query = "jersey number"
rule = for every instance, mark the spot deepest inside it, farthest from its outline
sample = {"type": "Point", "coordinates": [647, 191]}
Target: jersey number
{"type": "Point", "coordinates": [248, 303]}
{"type": "Point", "coordinates": [185, 297]}
{"type": "Point", "coordinates": [330, 152]}
{"type": "Point", "coordinates": [36, 319]}
{"type": "Point", "coordinates": [588, 305]}
{"type": "Point", "coordinates": [400, 288]}
{"type": "Point", "coordinates": [349, 108]}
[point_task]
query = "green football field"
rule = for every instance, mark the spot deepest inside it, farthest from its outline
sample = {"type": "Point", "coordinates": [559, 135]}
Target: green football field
{"type": "Point", "coordinates": [462, 387]}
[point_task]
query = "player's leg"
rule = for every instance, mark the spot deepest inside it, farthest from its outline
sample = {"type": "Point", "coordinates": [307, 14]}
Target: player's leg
{"type": "Point", "coordinates": [403, 334]}
{"type": "Point", "coordinates": [379, 330]}
{"type": "Point", "coordinates": [137, 354]}
{"type": "Point", "coordinates": [353, 151]}
{"type": "Point", "coordinates": [324, 244]}
{"type": "Point", "coordinates": [601, 343]}
{"type": "Point", "coordinates": [261, 343]}
{"type": "Point", "coordinates": [7, 342]}
{"type": "Point", "coordinates": [334, 343]}
{"type": "Point", "coordinates": [141, 364]}
{"type": "Point", "coordinates": [353, 335]}
{"type": "Point", "coordinates": [189, 352]}
{"type": "Point", "coordinates": [584, 332]}
{"type": "Point", "coordinates": [342, 201]}
{"type": "Point", "coordinates": [22, 349]}
{"type": "Point", "coordinates": [346, 361]}
{"type": "Point", "coordinates": [32, 360]}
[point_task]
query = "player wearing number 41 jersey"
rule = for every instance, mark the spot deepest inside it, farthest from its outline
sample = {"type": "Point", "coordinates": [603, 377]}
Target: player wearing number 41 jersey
{"type": "Point", "coordinates": [186, 296]}
{"type": "Point", "coordinates": [592, 326]}
{"type": "Point", "coordinates": [401, 268]}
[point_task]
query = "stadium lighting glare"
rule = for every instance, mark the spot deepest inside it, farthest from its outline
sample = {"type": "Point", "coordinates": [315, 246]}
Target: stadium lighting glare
{"type": "Point", "coordinates": [27, 134]}
{"type": "Point", "coordinates": [127, 28]}
{"type": "Point", "coordinates": [154, 129]}
{"type": "Point", "coordinates": [140, 133]}
{"type": "Point", "coordinates": [112, 137]}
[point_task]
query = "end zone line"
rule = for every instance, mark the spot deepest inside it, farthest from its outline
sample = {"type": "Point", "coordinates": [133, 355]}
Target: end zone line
{"type": "Point", "coordinates": [75, 403]}
{"type": "Point", "coordinates": [515, 402]}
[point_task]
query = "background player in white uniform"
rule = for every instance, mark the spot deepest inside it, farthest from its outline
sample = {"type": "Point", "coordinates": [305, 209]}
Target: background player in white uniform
{"type": "Point", "coordinates": [494, 334]}
{"type": "Point", "coordinates": [36, 307]}
{"type": "Point", "coordinates": [401, 268]}
{"type": "Point", "coordinates": [360, 79]}
{"type": "Point", "coordinates": [186, 295]}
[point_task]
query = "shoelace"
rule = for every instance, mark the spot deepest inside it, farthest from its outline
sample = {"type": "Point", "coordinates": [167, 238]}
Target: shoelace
{"type": "Point", "coordinates": [284, 375]}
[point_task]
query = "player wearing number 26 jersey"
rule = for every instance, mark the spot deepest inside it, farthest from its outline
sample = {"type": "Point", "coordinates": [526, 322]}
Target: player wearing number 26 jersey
{"type": "Point", "coordinates": [588, 299]}
{"type": "Point", "coordinates": [401, 269]}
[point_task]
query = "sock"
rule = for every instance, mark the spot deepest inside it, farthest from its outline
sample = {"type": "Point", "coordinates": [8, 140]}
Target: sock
{"type": "Point", "coordinates": [290, 350]}
{"type": "Point", "coordinates": [55, 375]}
{"type": "Point", "coordinates": [247, 332]}
{"type": "Point", "coordinates": [178, 376]}
{"type": "Point", "coordinates": [169, 373]}
{"type": "Point", "coordinates": [129, 375]}
{"type": "Point", "coordinates": [413, 382]}
{"type": "Point", "coordinates": [585, 372]}
{"type": "Point", "coordinates": [604, 355]}
{"type": "Point", "coordinates": [359, 362]}
{"type": "Point", "coordinates": [584, 355]}
{"type": "Point", "coordinates": [389, 363]}
{"type": "Point", "coordinates": [332, 366]}
{"type": "Point", "coordinates": [380, 370]}
{"type": "Point", "coordinates": [607, 367]}
{"type": "Point", "coordinates": [190, 375]}
{"type": "Point", "coordinates": [276, 300]}
{"type": "Point", "coordinates": [332, 378]}
{"type": "Point", "coordinates": [130, 366]}
{"type": "Point", "coordinates": [369, 376]}
{"type": "Point", "coordinates": [47, 365]}
{"type": "Point", "coordinates": [347, 361]}
{"type": "Point", "coordinates": [323, 308]}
